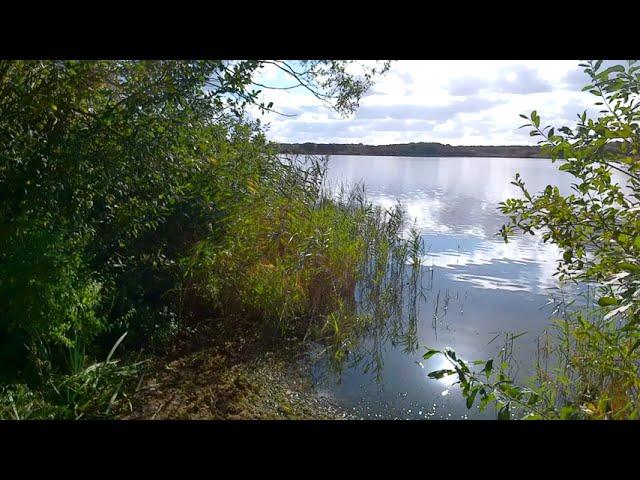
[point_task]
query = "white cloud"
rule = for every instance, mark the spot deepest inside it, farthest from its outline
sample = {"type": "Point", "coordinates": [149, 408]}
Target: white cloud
{"type": "Point", "coordinates": [456, 102]}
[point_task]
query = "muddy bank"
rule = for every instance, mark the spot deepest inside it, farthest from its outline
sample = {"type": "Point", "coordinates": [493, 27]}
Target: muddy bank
{"type": "Point", "coordinates": [226, 372]}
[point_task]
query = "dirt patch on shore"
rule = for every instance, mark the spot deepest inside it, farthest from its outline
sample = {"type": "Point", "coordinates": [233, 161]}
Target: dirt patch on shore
{"type": "Point", "coordinates": [224, 372]}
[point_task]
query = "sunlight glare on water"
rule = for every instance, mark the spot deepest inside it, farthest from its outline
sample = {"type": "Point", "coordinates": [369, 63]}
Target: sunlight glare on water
{"type": "Point", "coordinates": [476, 284]}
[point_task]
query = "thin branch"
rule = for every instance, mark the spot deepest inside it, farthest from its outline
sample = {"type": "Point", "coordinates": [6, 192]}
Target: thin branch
{"type": "Point", "coordinates": [275, 88]}
{"type": "Point", "coordinates": [320, 96]}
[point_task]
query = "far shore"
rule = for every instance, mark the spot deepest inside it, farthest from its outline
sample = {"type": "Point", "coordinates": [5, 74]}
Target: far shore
{"type": "Point", "coordinates": [412, 150]}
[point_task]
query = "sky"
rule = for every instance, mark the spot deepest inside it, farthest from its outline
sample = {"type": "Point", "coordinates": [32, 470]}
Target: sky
{"type": "Point", "coordinates": [456, 102]}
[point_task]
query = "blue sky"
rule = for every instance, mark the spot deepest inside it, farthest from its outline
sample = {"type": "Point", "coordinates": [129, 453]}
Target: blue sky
{"type": "Point", "coordinates": [473, 102]}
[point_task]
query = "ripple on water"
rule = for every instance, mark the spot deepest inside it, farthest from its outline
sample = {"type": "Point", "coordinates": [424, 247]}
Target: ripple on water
{"type": "Point", "coordinates": [475, 282]}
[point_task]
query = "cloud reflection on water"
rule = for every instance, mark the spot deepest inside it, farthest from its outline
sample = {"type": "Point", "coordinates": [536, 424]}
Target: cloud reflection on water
{"type": "Point", "coordinates": [475, 284]}
{"type": "Point", "coordinates": [454, 203]}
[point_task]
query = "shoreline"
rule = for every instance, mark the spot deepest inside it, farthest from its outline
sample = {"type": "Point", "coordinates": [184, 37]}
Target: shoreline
{"type": "Point", "coordinates": [240, 377]}
{"type": "Point", "coordinates": [416, 156]}
{"type": "Point", "coordinates": [420, 149]}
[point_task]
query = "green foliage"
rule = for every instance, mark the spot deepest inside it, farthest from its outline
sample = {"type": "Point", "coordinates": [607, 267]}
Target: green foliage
{"type": "Point", "coordinates": [598, 228]}
{"type": "Point", "coordinates": [92, 392]}
{"type": "Point", "coordinates": [486, 385]}
{"type": "Point", "coordinates": [110, 173]}
{"type": "Point", "coordinates": [96, 157]}
{"type": "Point", "coordinates": [299, 259]}
{"type": "Point", "coordinates": [49, 294]}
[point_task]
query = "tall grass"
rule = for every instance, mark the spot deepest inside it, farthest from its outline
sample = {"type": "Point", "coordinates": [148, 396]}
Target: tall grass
{"type": "Point", "coordinates": [594, 358]}
{"type": "Point", "coordinates": [306, 260]}
{"type": "Point", "coordinates": [90, 391]}
{"type": "Point", "coordinates": [136, 197]}
{"type": "Point", "coordinates": [292, 256]}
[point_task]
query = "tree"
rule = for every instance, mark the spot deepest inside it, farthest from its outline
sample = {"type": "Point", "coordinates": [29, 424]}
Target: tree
{"type": "Point", "coordinates": [338, 84]}
{"type": "Point", "coordinates": [109, 170]}
{"type": "Point", "coordinates": [598, 228]}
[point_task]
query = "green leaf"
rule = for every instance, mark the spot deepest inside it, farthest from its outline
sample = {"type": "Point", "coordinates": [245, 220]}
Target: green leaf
{"type": "Point", "coordinates": [485, 401]}
{"type": "Point", "coordinates": [505, 413]}
{"type": "Point", "coordinates": [441, 373]}
{"type": "Point", "coordinates": [569, 413]}
{"type": "Point", "coordinates": [533, 416]}
{"type": "Point", "coordinates": [615, 68]}
{"type": "Point", "coordinates": [471, 398]}
{"type": "Point", "coordinates": [430, 353]}
{"type": "Point", "coordinates": [535, 118]}
{"type": "Point", "coordinates": [607, 301]}
{"type": "Point", "coordinates": [488, 367]}
{"type": "Point", "coordinates": [630, 267]}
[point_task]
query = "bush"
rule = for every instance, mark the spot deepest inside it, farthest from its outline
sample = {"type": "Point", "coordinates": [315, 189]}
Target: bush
{"type": "Point", "coordinates": [110, 173]}
{"type": "Point", "coordinates": [595, 348]}
{"type": "Point", "coordinates": [301, 259]}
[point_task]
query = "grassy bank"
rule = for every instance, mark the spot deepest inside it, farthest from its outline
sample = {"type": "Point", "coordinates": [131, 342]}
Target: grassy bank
{"type": "Point", "coordinates": [138, 203]}
{"type": "Point", "coordinates": [288, 261]}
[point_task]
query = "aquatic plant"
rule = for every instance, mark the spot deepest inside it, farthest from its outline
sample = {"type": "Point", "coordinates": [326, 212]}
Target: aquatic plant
{"type": "Point", "coordinates": [323, 266]}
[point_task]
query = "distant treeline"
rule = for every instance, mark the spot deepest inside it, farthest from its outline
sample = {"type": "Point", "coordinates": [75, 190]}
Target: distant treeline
{"type": "Point", "coordinates": [409, 150]}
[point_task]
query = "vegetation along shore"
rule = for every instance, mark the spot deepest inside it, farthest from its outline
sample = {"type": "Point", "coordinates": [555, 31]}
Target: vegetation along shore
{"type": "Point", "coordinates": [159, 258]}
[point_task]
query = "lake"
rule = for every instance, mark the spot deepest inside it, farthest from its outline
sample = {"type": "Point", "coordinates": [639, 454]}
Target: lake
{"type": "Point", "coordinates": [476, 287]}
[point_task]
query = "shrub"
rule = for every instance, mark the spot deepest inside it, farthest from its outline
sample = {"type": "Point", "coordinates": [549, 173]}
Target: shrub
{"type": "Point", "coordinates": [598, 228]}
{"type": "Point", "coordinates": [301, 259]}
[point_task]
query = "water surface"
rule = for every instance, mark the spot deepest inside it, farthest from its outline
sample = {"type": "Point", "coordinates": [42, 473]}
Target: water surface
{"type": "Point", "coordinates": [476, 286]}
